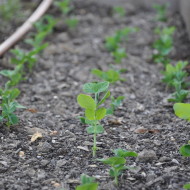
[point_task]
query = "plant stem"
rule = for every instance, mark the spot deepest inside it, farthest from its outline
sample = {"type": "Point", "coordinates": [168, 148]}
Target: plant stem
{"type": "Point", "coordinates": [94, 146]}
{"type": "Point", "coordinates": [116, 180]}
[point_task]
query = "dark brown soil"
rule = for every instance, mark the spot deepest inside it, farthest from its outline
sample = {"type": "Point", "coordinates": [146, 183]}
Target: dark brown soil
{"type": "Point", "coordinates": [57, 160]}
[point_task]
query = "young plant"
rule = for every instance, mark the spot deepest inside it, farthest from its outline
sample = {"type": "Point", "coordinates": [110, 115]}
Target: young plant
{"type": "Point", "coordinates": [14, 76]}
{"type": "Point", "coordinates": [161, 12]}
{"type": "Point", "coordinates": [180, 94]}
{"type": "Point", "coordinates": [9, 9]}
{"type": "Point", "coordinates": [111, 75]}
{"type": "Point", "coordinates": [72, 22]}
{"type": "Point", "coordinates": [182, 110]}
{"type": "Point", "coordinates": [87, 183]}
{"type": "Point", "coordinates": [9, 106]}
{"type": "Point", "coordinates": [64, 6]}
{"type": "Point", "coordinates": [119, 54]}
{"type": "Point", "coordinates": [119, 11]}
{"type": "Point", "coordinates": [115, 103]}
{"type": "Point", "coordinates": [94, 112]}
{"type": "Point", "coordinates": [175, 76]}
{"type": "Point", "coordinates": [112, 42]}
{"type": "Point", "coordinates": [117, 163]}
{"type": "Point", "coordinates": [163, 45]}
{"type": "Point", "coordinates": [175, 72]}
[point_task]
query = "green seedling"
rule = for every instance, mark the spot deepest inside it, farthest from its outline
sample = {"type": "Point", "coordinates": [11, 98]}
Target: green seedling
{"type": "Point", "coordinates": [182, 110]}
{"type": "Point", "coordinates": [175, 72]}
{"type": "Point", "coordinates": [9, 9]}
{"type": "Point", "coordinates": [64, 6]}
{"type": "Point", "coordinates": [119, 54]}
{"type": "Point", "coordinates": [14, 76]}
{"type": "Point", "coordinates": [161, 12]}
{"type": "Point", "coordinates": [117, 163]}
{"type": "Point", "coordinates": [87, 183]}
{"type": "Point", "coordinates": [9, 106]}
{"type": "Point", "coordinates": [115, 103]}
{"type": "Point", "coordinates": [43, 27]}
{"type": "Point", "coordinates": [174, 76]}
{"type": "Point", "coordinates": [163, 45]}
{"type": "Point", "coordinates": [119, 11]}
{"type": "Point", "coordinates": [72, 22]}
{"type": "Point", "coordinates": [111, 75]}
{"type": "Point", "coordinates": [180, 94]}
{"type": "Point", "coordinates": [112, 42]}
{"type": "Point", "coordinates": [93, 112]}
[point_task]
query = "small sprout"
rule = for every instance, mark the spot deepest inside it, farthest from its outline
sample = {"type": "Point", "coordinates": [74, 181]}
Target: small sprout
{"type": "Point", "coordinates": [119, 11]}
{"type": "Point", "coordinates": [87, 183]}
{"type": "Point", "coordinates": [182, 110]}
{"type": "Point", "coordinates": [119, 54]}
{"type": "Point", "coordinates": [112, 42]}
{"type": "Point", "coordinates": [117, 163]}
{"type": "Point", "coordinates": [93, 112]}
{"type": "Point", "coordinates": [175, 72]}
{"type": "Point", "coordinates": [72, 22]}
{"type": "Point", "coordinates": [163, 45]}
{"type": "Point", "coordinates": [9, 106]}
{"type": "Point", "coordinates": [9, 9]}
{"type": "Point", "coordinates": [115, 103]}
{"type": "Point", "coordinates": [161, 12]}
{"type": "Point", "coordinates": [64, 6]}
{"type": "Point", "coordinates": [111, 75]}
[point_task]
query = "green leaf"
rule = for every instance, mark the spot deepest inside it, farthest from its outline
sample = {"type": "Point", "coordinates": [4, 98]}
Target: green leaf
{"type": "Point", "coordinates": [124, 153]}
{"type": "Point", "coordinates": [182, 110]}
{"type": "Point", "coordinates": [186, 186]}
{"type": "Point", "coordinates": [95, 87]}
{"type": "Point", "coordinates": [100, 113]}
{"type": "Point", "coordinates": [90, 114]}
{"type": "Point", "coordinates": [92, 186]}
{"type": "Point", "coordinates": [86, 101]}
{"type": "Point", "coordinates": [85, 179]}
{"type": "Point", "coordinates": [107, 95]}
{"type": "Point", "coordinates": [95, 129]}
{"type": "Point", "coordinates": [13, 119]}
{"type": "Point", "coordinates": [113, 161]}
{"type": "Point", "coordinates": [185, 150]}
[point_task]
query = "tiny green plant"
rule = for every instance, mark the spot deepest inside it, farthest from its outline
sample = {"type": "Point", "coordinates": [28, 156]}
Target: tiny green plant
{"type": "Point", "coordinates": [111, 75]}
{"type": "Point", "coordinates": [93, 112]}
{"type": "Point", "coordinates": [163, 45]}
{"type": "Point", "coordinates": [9, 9]}
{"type": "Point", "coordinates": [64, 6]}
{"type": "Point", "coordinates": [119, 11]}
{"type": "Point", "coordinates": [175, 72]}
{"type": "Point", "coordinates": [161, 12]}
{"type": "Point", "coordinates": [112, 42]}
{"type": "Point", "coordinates": [182, 110]}
{"type": "Point", "coordinates": [117, 163]}
{"type": "Point", "coordinates": [87, 183]}
{"type": "Point", "coordinates": [9, 106]}
{"type": "Point", "coordinates": [119, 54]}
{"type": "Point", "coordinates": [115, 103]}
{"type": "Point", "coordinates": [72, 22]}
{"type": "Point", "coordinates": [174, 76]}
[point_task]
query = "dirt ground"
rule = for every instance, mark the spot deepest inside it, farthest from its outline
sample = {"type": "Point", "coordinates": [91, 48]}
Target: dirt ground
{"type": "Point", "coordinates": [57, 160]}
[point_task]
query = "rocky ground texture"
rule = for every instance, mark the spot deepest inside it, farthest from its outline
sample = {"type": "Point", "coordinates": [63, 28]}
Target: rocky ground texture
{"type": "Point", "coordinates": [145, 123]}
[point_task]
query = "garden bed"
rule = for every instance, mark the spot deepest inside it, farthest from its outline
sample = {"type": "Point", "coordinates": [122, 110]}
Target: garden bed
{"type": "Point", "coordinates": [64, 152]}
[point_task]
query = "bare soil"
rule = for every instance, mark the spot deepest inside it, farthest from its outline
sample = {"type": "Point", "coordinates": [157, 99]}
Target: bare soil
{"type": "Point", "coordinates": [57, 160]}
